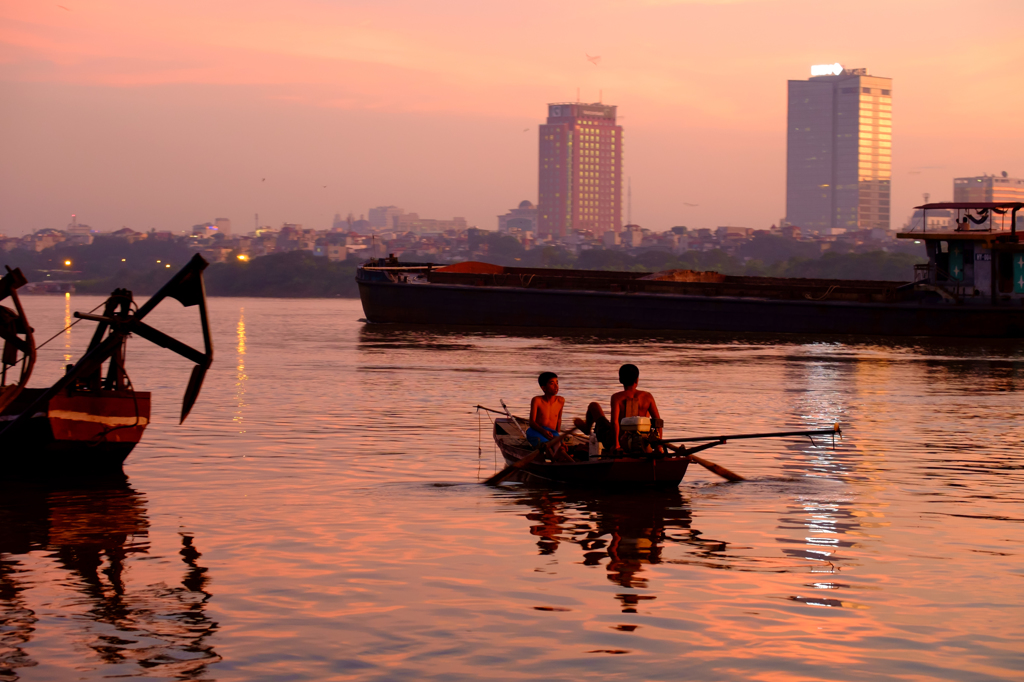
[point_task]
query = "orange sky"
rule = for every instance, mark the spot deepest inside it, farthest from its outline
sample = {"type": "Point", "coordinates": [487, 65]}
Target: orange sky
{"type": "Point", "coordinates": [164, 114]}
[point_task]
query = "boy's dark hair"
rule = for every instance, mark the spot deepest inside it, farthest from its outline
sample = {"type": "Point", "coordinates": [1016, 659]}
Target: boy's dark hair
{"type": "Point", "coordinates": [629, 375]}
{"type": "Point", "coordinates": [545, 377]}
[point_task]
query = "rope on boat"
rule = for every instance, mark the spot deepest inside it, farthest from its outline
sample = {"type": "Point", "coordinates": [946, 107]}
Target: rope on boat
{"type": "Point", "coordinates": [479, 438]}
{"type": "Point", "coordinates": [828, 292]}
{"type": "Point", "coordinates": [67, 327]}
{"type": "Point", "coordinates": [102, 435]}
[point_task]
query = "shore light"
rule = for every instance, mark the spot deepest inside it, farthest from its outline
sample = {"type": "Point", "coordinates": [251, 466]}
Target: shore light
{"type": "Point", "coordinates": [242, 257]}
{"type": "Point", "coordinates": [67, 262]}
{"type": "Point", "coordinates": [168, 265]}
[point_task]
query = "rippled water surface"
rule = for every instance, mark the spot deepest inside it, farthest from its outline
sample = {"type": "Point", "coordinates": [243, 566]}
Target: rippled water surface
{"type": "Point", "coordinates": [319, 516]}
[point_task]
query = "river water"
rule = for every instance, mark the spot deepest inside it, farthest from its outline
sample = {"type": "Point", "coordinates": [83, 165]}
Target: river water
{"type": "Point", "coordinates": [319, 517]}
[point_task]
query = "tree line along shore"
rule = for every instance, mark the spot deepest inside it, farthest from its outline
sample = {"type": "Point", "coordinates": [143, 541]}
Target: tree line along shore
{"type": "Point", "coordinates": [144, 266]}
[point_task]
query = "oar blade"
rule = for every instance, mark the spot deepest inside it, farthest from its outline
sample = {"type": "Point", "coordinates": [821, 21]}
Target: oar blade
{"type": "Point", "coordinates": [717, 469]}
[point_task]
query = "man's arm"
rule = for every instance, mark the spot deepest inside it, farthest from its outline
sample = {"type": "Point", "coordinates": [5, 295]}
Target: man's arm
{"type": "Point", "coordinates": [558, 419]}
{"type": "Point", "coordinates": [653, 411]}
{"type": "Point", "coordinates": [616, 411]}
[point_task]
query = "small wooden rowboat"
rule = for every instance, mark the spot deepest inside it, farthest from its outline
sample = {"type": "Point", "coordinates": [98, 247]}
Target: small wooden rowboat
{"type": "Point", "coordinates": [665, 472]}
{"type": "Point", "coordinates": [635, 468]}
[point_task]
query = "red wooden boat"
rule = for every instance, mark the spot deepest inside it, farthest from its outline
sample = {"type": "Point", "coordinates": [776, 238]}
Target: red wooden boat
{"type": "Point", "coordinates": [92, 417]}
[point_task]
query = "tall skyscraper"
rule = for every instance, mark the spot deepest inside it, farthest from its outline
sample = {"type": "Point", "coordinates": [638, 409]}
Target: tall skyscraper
{"type": "Point", "coordinates": [580, 170]}
{"type": "Point", "coordinates": [839, 150]}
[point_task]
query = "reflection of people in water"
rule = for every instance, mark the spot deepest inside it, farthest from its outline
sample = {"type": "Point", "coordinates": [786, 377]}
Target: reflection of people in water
{"type": "Point", "coordinates": [628, 530]}
{"type": "Point", "coordinates": [93, 533]}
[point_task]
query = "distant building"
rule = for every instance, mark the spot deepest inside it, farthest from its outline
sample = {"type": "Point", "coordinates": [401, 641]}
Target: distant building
{"type": "Point", "coordinates": [411, 222]}
{"type": "Point", "coordinates": [728, 232]}
{"type": "Point", "coordinates": [938, 219]}
{"type": "Point", "coordinates": [78, 233]}
{"type": "Point", "coordinates": [384, 216]}
{"type": "Point", "coordinates": [580, 170]}
{"type": "Point", "coordinates": [523, 218]}
{"type": "Point", "coordinates": [632, 236]}
{"type": "Point", "coordinates": [75, 227]}
{"type": "Point", "coordinates": [988, 188]}
{"type": "Point", "coordinates": [222, 226]}
{"type": "Point", "coordinates": [839, 150]}
{"type": "Point", "coordinates": [129, 235]}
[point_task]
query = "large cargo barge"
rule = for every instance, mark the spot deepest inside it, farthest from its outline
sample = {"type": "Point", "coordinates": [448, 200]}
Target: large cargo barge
{"type": "Point", "coordinates": [972, 286]}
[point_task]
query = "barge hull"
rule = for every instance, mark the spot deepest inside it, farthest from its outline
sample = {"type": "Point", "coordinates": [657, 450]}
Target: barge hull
{"type": "Point", "coordinates": [499, 306]}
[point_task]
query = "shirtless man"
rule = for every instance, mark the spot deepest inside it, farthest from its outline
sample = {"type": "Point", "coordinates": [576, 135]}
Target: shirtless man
{"type": "Point", "coordinates": [608, 431]}
{"type": "Point", "coordinates": [545, 411]}
{"type": "Point", "coordinates": [629, 376]}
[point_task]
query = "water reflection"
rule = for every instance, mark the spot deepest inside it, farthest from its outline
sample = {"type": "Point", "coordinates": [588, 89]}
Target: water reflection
{"type": "Point", "coordinates": [240, 376]}
{"type": "Point", "coordinates": [92, 535]}
{"type": "Point", "coordinates": [624, 532]}
{"type": "Point", "coordinates": [844, 347]}
{"type": "Point", "coordinates": [67, 328]}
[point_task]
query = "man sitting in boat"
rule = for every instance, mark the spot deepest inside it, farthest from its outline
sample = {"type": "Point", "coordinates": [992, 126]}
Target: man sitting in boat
{"type": "Point", "coordinates": [545, 411]}
{"type": "Point", "coordinates": [629, 402]}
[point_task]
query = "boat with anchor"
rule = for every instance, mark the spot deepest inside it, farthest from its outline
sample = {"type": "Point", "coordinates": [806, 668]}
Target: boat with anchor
{"type": "Point", "coordinates": [972, 286]}
{"type": "Point", "coordinates": [90, 419]}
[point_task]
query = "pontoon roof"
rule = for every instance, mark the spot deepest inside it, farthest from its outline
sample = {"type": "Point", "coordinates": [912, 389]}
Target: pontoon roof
{"type": "Point", "coordinates": [973, 205]}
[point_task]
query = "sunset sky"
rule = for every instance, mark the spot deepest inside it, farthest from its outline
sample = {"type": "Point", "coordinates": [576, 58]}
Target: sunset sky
{"type": "Point", "coordinates": [159, 114]}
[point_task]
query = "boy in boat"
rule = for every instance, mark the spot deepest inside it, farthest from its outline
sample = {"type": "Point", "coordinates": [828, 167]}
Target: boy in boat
{"type": "Point", "coordinates": [629, 402]}
{"type": "Point", "coordinates": [545, 411]}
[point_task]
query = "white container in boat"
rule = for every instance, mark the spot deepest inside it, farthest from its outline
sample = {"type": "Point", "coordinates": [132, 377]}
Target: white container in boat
{"type": "Point", "coordinates": [596, 448]}
{"type": "Point", "coordinates": [640, 424]}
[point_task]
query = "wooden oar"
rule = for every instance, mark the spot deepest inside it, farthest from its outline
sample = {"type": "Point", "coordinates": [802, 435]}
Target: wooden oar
{"type": "Point", "coordinates": [834, 431]}
{"type": "Point", "coordinates": [511, 468]}
{"type": "Point", "coordinates": [709, 465]}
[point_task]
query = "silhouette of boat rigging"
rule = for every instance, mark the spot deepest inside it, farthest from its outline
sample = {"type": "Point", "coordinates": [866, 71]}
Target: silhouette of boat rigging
{"type": "Point", "coordinates": [90, 419]}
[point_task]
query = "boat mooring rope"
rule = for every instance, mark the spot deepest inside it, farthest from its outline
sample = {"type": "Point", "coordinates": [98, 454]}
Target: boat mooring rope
{"type": "Point", "coordinates": [67, 327]}
{"type": "Point", "coordinates": [479, 441]}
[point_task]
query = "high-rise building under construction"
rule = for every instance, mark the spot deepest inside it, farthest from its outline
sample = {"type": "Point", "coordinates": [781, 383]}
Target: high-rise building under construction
{"type": "Point", "coordinates": [839, 150]}
{"type": "Point", "coordinates": [580, 170]}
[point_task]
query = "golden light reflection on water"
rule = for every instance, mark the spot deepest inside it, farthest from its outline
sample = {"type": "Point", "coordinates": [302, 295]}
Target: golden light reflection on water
{"type": "Point", "coordinates": [67, 326]}
{"type": "Point", "coordinates": [240, 376]}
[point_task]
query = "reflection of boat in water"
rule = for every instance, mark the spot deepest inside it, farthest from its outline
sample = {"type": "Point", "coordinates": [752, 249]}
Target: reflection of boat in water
{"type": "Point", "coordinates": [93, 532]}
{"type": "Point", "coordinates": [624, 531]}
{"type": "Point", "coordinates": [92, 417]}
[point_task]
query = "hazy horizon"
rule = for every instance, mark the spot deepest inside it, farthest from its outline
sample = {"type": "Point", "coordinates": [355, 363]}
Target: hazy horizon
{"type": "Point", "coordinates": [165, 115]}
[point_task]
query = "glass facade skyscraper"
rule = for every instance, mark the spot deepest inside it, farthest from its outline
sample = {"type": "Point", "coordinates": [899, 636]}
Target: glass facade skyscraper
{"type": "Point", "coordinates": [839, 151]}
{"type": "Point", "coordinates": [580, 170]}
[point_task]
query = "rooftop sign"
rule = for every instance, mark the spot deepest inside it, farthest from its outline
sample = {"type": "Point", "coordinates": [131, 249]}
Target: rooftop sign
{"type": "Point", "coordinates": [827, 69]}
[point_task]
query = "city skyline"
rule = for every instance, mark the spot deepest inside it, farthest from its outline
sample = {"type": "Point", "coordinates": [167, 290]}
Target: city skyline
{"type": "Point", "coordinates": [152, 116]}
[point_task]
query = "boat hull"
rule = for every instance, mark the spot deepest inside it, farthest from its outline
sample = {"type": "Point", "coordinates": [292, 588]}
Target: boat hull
{"type": "Point", "coordinates": [502, 306]}
{"type": "Point", "coordinates": [625, 472]}
{"type": "Point", "coordinates": [86, 432]}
